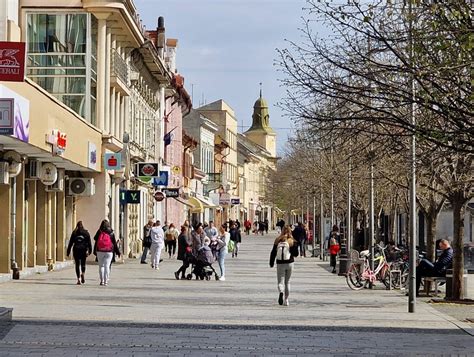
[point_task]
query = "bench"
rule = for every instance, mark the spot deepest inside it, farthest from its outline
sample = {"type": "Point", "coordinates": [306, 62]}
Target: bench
{"type": "Point", "coordinates": [433, 279]}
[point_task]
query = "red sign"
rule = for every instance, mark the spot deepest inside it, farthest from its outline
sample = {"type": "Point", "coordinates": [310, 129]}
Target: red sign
{"type": "Point", "coordinates": [12, 61]}
{"type": "Point", "coordinates": [159, 196]}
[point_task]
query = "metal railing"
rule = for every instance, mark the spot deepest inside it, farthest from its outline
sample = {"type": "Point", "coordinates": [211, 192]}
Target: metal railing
{"type": "Point", "coordinates": [118, 66]}
{"type": "Point", "coordinates": [214, 176]}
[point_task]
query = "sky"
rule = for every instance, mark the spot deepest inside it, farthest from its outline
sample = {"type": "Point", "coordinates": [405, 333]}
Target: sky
{"type": "Point", "coordinates": [227, 47]}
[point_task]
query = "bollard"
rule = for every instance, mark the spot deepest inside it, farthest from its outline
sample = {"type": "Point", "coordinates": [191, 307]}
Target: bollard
{"type": "Point", "coordinates": [449, 284]}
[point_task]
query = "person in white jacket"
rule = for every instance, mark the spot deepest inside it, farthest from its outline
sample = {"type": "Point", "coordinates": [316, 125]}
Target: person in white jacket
{"type": "Point", "coordinates": [157, 244]}
{"type": "Point", "coordinates": [223, 239]}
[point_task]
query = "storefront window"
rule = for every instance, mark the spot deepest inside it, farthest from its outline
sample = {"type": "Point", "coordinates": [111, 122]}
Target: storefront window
{"type": "Point", "coordinates": [62, 58]}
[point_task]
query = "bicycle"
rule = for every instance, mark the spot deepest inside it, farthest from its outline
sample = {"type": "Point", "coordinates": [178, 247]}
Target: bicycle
{"type": "Point", "coordinates": [360, 275]}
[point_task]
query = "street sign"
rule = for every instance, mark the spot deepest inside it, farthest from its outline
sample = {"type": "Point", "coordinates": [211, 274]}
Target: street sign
{"type": "Point", "coordinates": [235, 201]}
{"type": "Point", "coordinates": [147, 169]}
{"type": "Point", "coordinates": [159, 196]}
{"type": "Point", "coordinates": [224, 199]}
{"type": "Point", "coordinates": [129, 197]}
{"type": "Point", "coordinates": [162, 179]}
{"type": "Point", "coordinates": [171, 192]}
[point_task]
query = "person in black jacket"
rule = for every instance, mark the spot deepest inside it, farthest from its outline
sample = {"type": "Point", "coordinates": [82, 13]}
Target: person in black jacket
{"type": "Point", "coordinates": [80, 243]}
{"type": "Point", "coordinates": [299, 234]}
{"type": "Point", "coordinates": [236, 237]}
{"type": "Point", "coordinates": [184, 253]}
{"type": "Point", "coordinates": [284, 250]}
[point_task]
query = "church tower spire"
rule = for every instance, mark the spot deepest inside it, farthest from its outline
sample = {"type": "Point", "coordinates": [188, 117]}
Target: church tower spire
{"type": "Point", "coordinates": [260, 132]}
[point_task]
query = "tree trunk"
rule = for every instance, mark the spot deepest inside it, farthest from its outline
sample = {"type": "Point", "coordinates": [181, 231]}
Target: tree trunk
{"type": "Point", "coordinates": [457, 203]}
{"type": "Point", "coordinates": [430, 234]}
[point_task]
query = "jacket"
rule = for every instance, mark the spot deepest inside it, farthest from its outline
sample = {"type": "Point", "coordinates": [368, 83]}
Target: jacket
{"type": "Point", "coordinates": [444, 261]}
{"type": "Point", "coordinates": [73, 243]}
{"type": "Point", "coordinates": [235, 235]}
{"type": "Point", "coordinates": [293, 252]}
{"type": "Point", "coordinates": [182, 245]}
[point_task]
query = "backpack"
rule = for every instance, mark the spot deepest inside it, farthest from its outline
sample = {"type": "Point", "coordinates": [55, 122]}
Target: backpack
{"type": "Point", "coordinates": [104, 242]}
{"type": "Point", "coordinates": [230, 246]}
{"type": "Point", "coordinates": [283, 251]}
{"type": "Point", "coordinates": [80, 243]}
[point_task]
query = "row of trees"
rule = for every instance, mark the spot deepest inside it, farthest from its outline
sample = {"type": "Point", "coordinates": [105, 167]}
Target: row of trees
{"type": "Point", "coordinates": [382, 73]}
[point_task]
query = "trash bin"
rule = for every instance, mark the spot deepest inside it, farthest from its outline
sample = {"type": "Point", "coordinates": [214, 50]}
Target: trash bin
{"type": "Point", "coordinates": [449, 284]}
{"type": "Point", "coordinates": [343, 260]}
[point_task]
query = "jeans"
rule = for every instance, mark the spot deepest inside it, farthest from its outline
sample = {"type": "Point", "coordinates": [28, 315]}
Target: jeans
{"type": "Point", "coordinates": [155, 254]}
{"type": "Point", "coordinates": [302, 246]}
{"type": "Point", "coordinates": [144, 254]}
{"type": "Point", "coordinates": [182, 269]}
{"type": "Point", "coordinates": [105, 260]}
{"type": "Point", "coordinates": [425, 268]}
{"type": "Point", "coordinates": [221, 259]}
{"type": "Point", "coordinates": [236, 249]}
{"type": "Point", "coordinates": [170, 247]}
{"type": "Point", "coordinates": [80, 261]}
{"type": "Point", "coordinates": [332, 260]}
{"type": "Point", "coordinates": [283, 278]}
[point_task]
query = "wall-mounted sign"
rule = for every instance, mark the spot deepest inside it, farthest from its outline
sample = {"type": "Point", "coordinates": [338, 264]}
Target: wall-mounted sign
{"type": "Point", "coordinates": [171, 192]}
{"type": "Point", "coordinates": [129, 197]}
{"type": "Point", "coordinates": [58, 141]}
{"type": "Point", "coordinates": [12, 61]}
{"type": "Point", "coordinates": [6, 116]}
{"type": "Point", "coordinates": [176, 170]}
{"type": "Point", "coordinates": [147, 169]}
{"type": "Point", "coordinates": [113, 161]}
{"type": "Point", "coordinates": [92, 156]}
{"type": "Point", "coordinates": [235, 201]}
{"type": "Point", "coordinates": [161, 180]}
{"type": "Point", "coordinates": [20, 115]}
{"type": "Point", "coordinates": [224, 199]}
{"type": "Point", "coordinates": [159, 196]}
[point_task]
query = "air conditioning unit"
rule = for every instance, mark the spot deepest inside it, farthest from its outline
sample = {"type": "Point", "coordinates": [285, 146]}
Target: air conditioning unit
{"type": "Point", "coordinates": [79, 186]}
{"type": "Point", "coordinates": [4, 175]}
{"type": "Point", "coordinates": [33, 170]}
{"type": "Point", "coordinates": [58, 186]}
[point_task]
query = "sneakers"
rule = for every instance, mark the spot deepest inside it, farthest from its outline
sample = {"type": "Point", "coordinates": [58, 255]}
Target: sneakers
{"type": "Point", "coordinates": [222, 278]}
{"type": "Point", "coordinates": [176, 275]}
{"type": "Point", "coordinates": [143, 262]}
{"type": "Point", "coordinates": [83, 280]}
{"type": "Point", "coordinates": [333, 271]}
{"type": "Point", "coordinates": [78, 282]}
{"type": "Point", "coordinates": [280, 299]}
{"type": "Point", "coordinates": [286, 303]}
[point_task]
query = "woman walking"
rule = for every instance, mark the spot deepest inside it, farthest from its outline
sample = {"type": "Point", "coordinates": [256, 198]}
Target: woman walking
{"type": "Point", "coordinates": [184, 253]}
{"type": "Point", "coordinates": [222, 240]}
{"type": "Point", "coordinates": [157, 243]}
{"type": "Point", "coordinates": [80, 243]}
{"type": "Point", "coordinates": [284, 250]}
{"type": "Point", "coordinates": [171, 236]}
{"type": "Point", "coordinates": [105, 247]}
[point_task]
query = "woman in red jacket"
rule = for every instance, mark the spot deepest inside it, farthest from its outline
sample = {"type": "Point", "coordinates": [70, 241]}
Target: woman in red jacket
{"type": "Point", "coordinates": [333, 250]}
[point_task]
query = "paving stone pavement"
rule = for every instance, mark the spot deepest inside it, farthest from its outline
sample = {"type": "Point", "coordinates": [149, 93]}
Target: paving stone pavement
{"type": "Point", "coordinates": [144, 312]}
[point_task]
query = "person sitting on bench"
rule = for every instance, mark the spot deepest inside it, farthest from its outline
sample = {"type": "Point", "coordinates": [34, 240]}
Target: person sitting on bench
{"type": "Point", "coordinates": [427, 268]}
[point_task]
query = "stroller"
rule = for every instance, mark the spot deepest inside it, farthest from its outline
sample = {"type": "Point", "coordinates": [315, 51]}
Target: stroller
{"type": "Point", "coordinates": [202, 265]}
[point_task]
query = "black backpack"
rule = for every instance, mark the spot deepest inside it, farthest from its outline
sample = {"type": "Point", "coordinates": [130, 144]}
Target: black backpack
{"type": "Point", "coordinates": [80, 243]}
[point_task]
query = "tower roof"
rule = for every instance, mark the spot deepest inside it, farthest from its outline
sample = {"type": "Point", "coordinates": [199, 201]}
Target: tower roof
{"type": "Point", "coordinates": [261, 116]}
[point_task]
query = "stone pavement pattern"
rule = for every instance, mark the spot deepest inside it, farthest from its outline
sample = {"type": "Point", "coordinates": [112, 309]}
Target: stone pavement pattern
{"type": "Point", "coordinates": [146, 312]}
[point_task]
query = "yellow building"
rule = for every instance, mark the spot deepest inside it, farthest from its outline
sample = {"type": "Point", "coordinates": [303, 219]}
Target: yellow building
{"type": "Point", "coordinates": [95, 84]}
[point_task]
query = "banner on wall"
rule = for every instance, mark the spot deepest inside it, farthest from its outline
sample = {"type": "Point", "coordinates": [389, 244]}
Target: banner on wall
{"type": "Point", "coordinates": [14, 114]}
{"type": "Point", "coordinates": [12, 61]}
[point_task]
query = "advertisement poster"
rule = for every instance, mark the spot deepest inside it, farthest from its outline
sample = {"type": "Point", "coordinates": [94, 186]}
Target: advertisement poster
{"type": "Point", "coordinates": [19, 118]}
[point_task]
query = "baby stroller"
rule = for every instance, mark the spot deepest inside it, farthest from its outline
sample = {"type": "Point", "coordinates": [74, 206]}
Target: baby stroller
{"type": "Point", "coordinates": [202, 265]}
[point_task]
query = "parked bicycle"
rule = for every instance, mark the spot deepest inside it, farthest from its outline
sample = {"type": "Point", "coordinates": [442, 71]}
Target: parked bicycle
{"type": "Point", "coordinates": [360, 274]}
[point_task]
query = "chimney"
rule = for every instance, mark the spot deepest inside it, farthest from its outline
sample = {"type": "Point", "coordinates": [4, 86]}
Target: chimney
{"type": "Point", "coordinates": [160, 37]}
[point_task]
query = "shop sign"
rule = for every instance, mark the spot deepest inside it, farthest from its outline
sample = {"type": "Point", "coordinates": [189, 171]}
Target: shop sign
{"type": "Point", "coordinates": [159, 196]}
{"type": "Point", "coordinates": [129, 197]}
{"type": "Point", "coordinates": [113, 161]}
{"type": "Point", "coordinates": [49, 174]}
{"type": "Point", "coordinates": [12, 61]}
{"type": "Point", "coordinates": [92, 156]}
{"type": "Point", "coordinates": [147, 169]}
{"type": "Point", "coordinates": [235, 201]}
{"type": "Point", "coordinates": [15, 116]}
{"type": "Point", "coordinates": [161, 180]}
{"type": "Point", "coordinates": [6, 116]}
{"type": "Point", "coordinates": [58, 141]}
{"type": "Point", "coordinates": [224, 199]}
{"type": "Point", "coordinates": [171, 192]}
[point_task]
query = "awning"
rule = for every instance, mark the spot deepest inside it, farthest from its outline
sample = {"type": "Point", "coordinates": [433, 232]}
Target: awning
{"type": "Point", "coordinates": [183, 201]}
{"type": "Point", "coordinates": [197, 206]}
{"type": "Point", "coordinates": [206, 203]}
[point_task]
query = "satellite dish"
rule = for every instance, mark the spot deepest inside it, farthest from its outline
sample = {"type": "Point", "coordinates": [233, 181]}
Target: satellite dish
{"type": "Point", "coordinates": [14, 162]}
{"type": "Point", "coordinates": [49, 174]}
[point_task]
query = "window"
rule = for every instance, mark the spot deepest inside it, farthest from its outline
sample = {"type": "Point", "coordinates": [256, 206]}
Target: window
{"type": "Point", "coordinates": [62, 58]}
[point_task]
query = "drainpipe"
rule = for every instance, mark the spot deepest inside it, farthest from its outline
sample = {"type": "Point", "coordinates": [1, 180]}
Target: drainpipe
{"type": "Point", "coordinates": [14, 265]}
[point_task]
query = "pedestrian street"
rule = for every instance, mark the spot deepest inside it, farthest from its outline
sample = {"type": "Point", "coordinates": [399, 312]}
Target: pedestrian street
{"type": "Point", "coordinates": [145, 312]}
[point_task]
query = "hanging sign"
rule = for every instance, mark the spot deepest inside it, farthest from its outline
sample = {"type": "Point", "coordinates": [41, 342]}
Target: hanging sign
{"type": "Point", "coordinates": [129, 197]}
{"type": "Point", "coordinates": [113, 161]}
{"type": "Point", "coordinates": [159, 196]}
{"type": "Point", "coordinates": [147, 169]}
{"type": "Point", "coordinates": [12, 61]}
{"type": "Point", "coordinates": [171, 192]}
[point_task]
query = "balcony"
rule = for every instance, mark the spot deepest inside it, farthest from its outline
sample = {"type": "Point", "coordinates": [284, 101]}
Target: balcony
{"type": "Point", "coordinates": [214, 177]}
{"type": "Point", "coordinates": [118, 73]}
